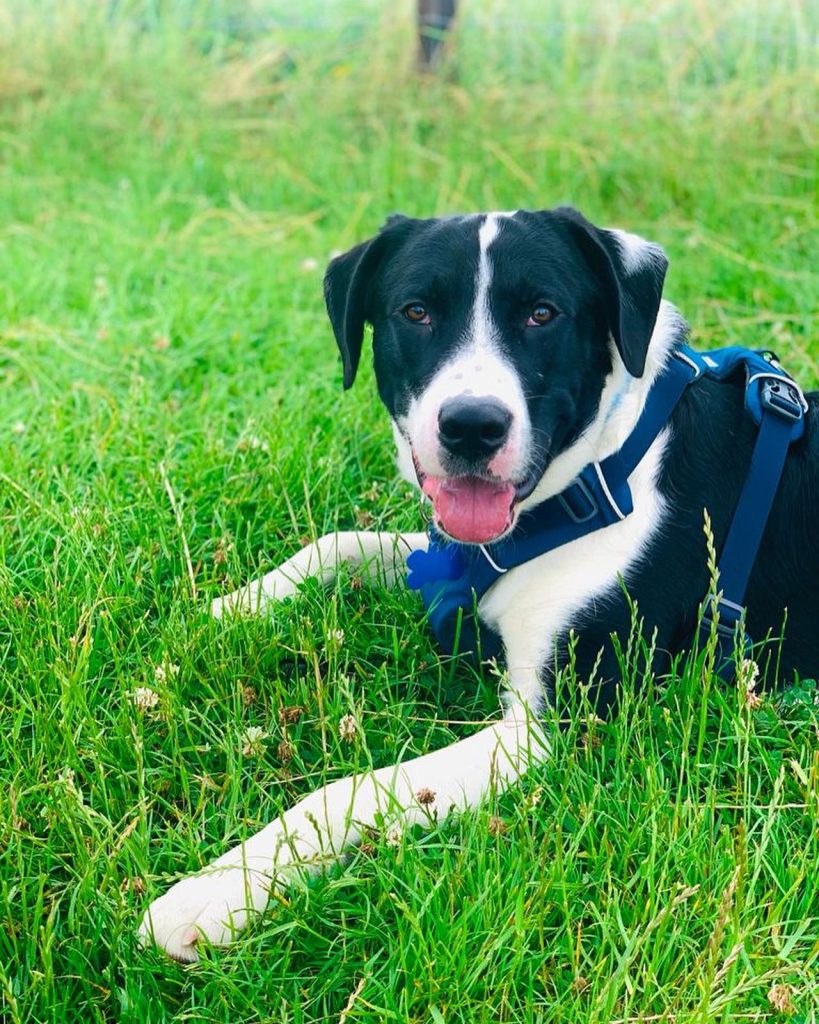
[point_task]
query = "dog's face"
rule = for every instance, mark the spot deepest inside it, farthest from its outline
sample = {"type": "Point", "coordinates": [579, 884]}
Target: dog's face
{"type": "Point", "coordinates": [493, 337]}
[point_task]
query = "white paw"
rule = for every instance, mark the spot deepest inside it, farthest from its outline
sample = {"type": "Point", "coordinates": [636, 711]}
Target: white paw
{"type": "Point", "coordinates": [210, 907]}
{"type": "Point", "coordinates": [223, 606]}
{"type": "Point", "coordinates": [244, 601]}
{"type": "Point", "coordinates": [254, 598]}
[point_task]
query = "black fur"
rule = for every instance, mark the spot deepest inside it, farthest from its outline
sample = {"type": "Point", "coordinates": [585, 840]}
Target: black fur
{"type": "Point", "coordinates": [559, 257]}
{"type": "Point", "coordinates": [705, 467]}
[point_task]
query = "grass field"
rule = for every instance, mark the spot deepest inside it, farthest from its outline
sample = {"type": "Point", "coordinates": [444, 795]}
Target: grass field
{"type": "Point", "coordinates": [173, 178]}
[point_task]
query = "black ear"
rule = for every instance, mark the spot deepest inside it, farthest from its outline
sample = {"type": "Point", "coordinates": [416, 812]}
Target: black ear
{"type": "Point", "coordinates": [348, 291]}
{"type": "Point", "coordinates": [632, 271]}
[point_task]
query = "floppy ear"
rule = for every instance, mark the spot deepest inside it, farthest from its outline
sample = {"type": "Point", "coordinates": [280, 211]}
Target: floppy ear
{"type": "Point", "coordinates": [348, 291]}
{"type": "Point", "coordinates": [632, 271]}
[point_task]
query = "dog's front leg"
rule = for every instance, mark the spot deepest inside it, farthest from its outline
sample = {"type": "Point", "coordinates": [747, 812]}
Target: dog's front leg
{"type": "Point", "coordinates": [382, 552]}
{"type": "Point", "coordinates": [216, 903]}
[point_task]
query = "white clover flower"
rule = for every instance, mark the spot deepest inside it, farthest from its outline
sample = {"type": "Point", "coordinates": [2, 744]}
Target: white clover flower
{"type": "Point", "coordinates": [748, 678]}
{"type": "Point", "coordinates": [394, 835]}
{"type": "Point", "coordinates": [309, 263]}
{"type": "Point", "coordinates": [348, 728]}
{"type": "Point", "coordinates": [253, 741]}
{"type": "Point", "coordinates": [144, 698]}
{"type": "Point", "coordinates": [335, 639]}
{"type": "Point", "coordinates": [425, 796]}
{"type": "Point", "coordinates": [18, 428]}
{"type": "Point", "coordinates": [164, 672]}
{"type": "Point", "coordinates": [780, 998]}
{"type": "Point", "coordinates": [253, 443]}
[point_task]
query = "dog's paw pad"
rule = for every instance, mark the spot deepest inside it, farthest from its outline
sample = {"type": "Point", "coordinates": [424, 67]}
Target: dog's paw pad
{"type": "Point", "coordinates": [212, 908]}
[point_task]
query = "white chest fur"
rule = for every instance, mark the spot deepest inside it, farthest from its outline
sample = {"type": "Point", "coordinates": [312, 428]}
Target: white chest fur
{"type": "Point", "coordinates": [532, 604]}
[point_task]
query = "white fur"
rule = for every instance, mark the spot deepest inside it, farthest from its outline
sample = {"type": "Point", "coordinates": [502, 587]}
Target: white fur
{"type": "Point", "coordinates": [403, 453]}
{"type": "Point", "coordinates": [532, 604]}
{"type": "Point", "coordinates": [384, 551]}
{"type": "Point", "coordinates": [477, 368]}
{"type": "Point", "coordinates": [217, 903]}
{"type": "Point", "coordinates": [483, 328]}
{"type": "Point", "coordinates": [635, 252]}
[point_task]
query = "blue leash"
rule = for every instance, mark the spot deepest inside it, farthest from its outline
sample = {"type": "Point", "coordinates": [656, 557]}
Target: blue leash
{"type": "Point", "coordinates": [451, 578]}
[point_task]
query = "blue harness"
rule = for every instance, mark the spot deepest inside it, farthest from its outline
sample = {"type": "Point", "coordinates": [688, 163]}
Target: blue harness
{"type": "Point", "coordinates": [452, 578]}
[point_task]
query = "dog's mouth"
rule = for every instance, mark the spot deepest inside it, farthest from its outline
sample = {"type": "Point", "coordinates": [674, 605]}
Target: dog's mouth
{"type": "Point", "coordinates": [474, 509]}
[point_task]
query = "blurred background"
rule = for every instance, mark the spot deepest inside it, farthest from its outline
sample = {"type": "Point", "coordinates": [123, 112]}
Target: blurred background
{"type": "Point", "coordinates": [199, 123]}
{"type": "Point", "coordinates": [220, 151]}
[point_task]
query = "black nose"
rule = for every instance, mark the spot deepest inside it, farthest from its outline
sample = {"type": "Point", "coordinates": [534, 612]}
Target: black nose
{"type": "Point", "coordinates": [473, 428]}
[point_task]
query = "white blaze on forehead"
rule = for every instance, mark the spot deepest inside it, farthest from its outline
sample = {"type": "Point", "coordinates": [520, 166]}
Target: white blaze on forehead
{"type": "Point", "coordinates": [478, 368]}
{"type": "Point", "coordinates": [482, 326]}
{"type": "Point", "coordinates": [481, 316]}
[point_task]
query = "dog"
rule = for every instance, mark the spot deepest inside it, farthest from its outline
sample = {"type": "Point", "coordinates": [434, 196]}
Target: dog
{"type": "Point", "coordinates": [511, 350]}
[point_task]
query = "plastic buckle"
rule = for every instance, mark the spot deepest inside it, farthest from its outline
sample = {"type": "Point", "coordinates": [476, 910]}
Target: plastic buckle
{"type": "Point", "coordinates": [783, 397]}
{"type": "Point", "coordinates": [578, 501]}
{"type": "Point", "coordinates": [729, 616]}
{"type": "Point", "coordinates": [729, 632]}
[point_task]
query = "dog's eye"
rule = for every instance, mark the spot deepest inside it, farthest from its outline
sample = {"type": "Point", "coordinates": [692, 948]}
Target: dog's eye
{"type": "Point", "coordinates": [416, 313]}
{"type": "Point", "coordinates": [541, 314]}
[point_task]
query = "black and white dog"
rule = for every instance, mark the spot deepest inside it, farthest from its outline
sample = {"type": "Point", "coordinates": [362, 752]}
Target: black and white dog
{"type": "Point", "coordinates": [511, 351]}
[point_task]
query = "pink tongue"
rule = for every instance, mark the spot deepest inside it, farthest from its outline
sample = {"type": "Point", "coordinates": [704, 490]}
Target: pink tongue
{"type": "Point", "coordinates": [470, 509]}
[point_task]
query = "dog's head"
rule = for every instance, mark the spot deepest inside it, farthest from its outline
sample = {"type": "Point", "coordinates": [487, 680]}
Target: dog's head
{"type": "Point", "coordinates": [493, 336]}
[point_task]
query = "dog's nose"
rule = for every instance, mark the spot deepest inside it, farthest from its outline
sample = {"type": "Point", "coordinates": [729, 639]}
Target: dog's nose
{"type": "Point", "coordinates": [473, 428]}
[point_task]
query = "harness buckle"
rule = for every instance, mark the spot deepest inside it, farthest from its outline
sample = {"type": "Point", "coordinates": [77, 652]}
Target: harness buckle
{"type": "Point", "coordinates": [783, 397]}
{"type": "Point", "coordinates": [728, 630]}
{"type": "Point", "coordinates": [578, 501]}
{"type": "Point", "coordinates": [729, 615]}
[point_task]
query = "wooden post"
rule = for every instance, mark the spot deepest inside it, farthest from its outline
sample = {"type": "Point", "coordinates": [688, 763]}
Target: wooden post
{"type": "Point", "coordinates": [434, 22]}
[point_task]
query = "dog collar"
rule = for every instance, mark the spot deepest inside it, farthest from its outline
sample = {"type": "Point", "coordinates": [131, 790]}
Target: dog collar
{"type": "Point", "coordinates": [451, 578]}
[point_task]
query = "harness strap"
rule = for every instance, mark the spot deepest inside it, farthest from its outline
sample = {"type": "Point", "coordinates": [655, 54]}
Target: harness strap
{"type": "Point", "coordinates": [782, 409]}
{"type": "Point", "coordinates": [745, 534]}
{"type": "Point", "coordinates": [666, 391]}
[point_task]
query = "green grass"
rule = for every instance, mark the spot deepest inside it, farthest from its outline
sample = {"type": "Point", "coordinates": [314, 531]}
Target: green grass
{"type": "Point", "coordinates": [173, 178]}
